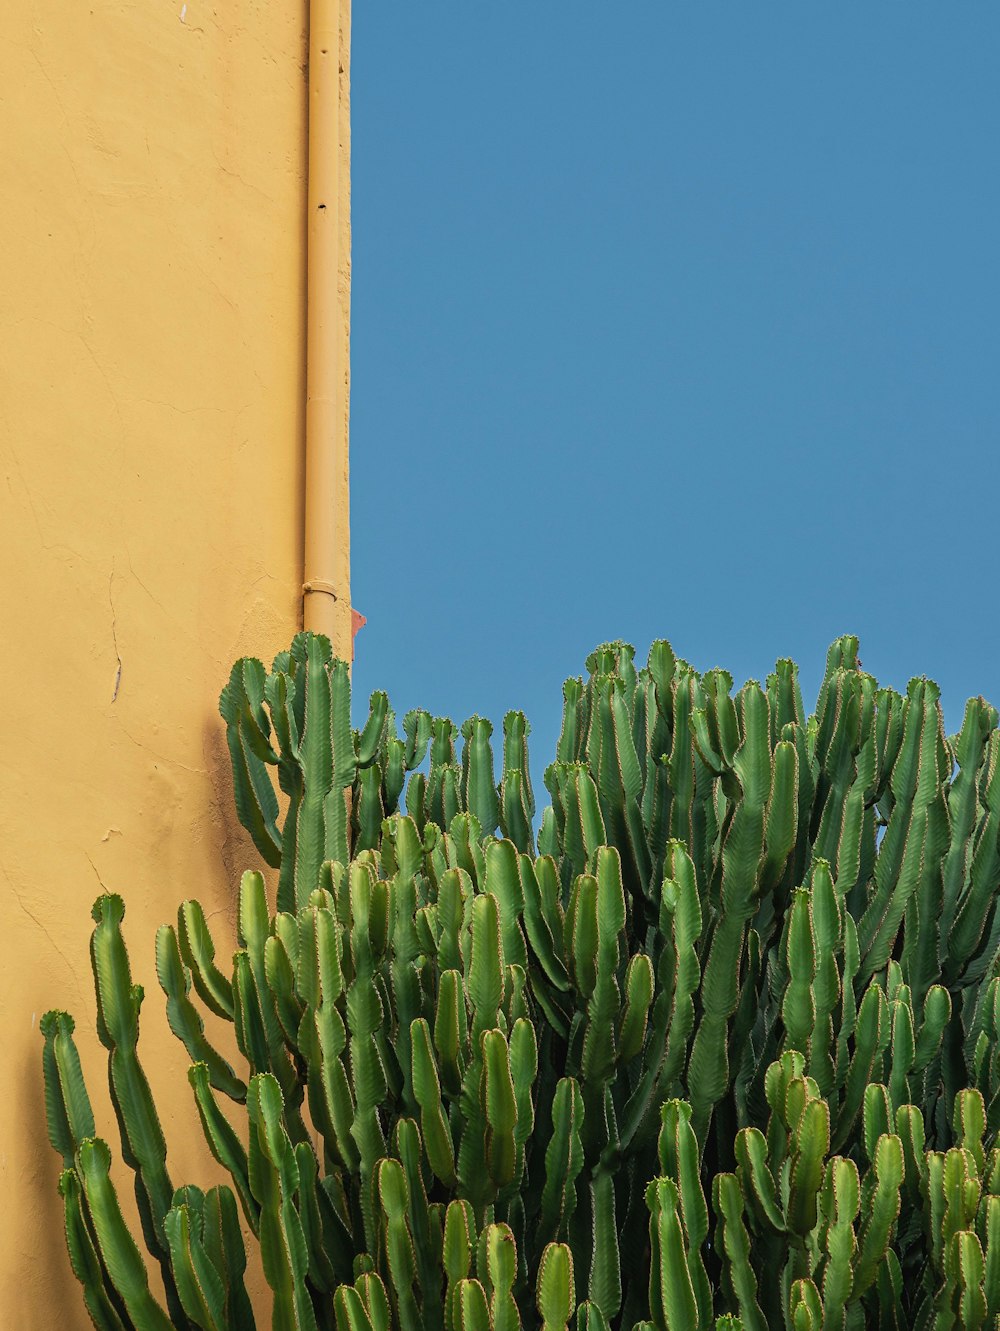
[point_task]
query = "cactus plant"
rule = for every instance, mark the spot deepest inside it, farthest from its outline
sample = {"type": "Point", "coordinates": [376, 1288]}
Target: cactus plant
{"type": "Point", "coordinates": [717, 1048]}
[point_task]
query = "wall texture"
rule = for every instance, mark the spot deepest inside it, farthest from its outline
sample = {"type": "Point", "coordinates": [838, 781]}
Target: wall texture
{"type": "Point", "coordinates": [152, 156]}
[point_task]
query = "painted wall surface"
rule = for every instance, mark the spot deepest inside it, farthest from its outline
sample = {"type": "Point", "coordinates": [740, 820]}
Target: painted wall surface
{"type": "Point", "coordinates": [152, 156]}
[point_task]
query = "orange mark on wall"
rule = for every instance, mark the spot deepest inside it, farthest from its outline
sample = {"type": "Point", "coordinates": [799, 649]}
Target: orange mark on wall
{"type": "Point", "coordinates": [358, 622]}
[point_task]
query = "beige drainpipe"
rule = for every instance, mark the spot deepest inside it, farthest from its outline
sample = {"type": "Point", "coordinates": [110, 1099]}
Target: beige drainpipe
{"type": "Point", "coordinates": [326, 584]}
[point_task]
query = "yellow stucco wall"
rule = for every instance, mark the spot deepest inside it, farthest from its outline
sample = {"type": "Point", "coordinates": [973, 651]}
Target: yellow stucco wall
{"type": "Point", "coordinates": [152, 158]}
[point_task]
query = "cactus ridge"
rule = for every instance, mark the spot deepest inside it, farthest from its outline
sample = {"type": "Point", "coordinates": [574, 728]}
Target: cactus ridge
{"type": "Point", "coordinates": [718, 1046]}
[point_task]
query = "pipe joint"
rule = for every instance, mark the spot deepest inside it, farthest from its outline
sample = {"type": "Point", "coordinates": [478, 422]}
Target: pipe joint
{"type": "Point", "coordinates": [320, 585]}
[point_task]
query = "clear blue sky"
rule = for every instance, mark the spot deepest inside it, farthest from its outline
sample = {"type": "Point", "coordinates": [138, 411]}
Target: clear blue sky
{"type": "Point", "coordinates": [673, 320]}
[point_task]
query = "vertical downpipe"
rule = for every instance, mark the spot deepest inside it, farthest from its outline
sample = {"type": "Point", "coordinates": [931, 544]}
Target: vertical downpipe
{"type": "Point", "coordinates": [326, 563]}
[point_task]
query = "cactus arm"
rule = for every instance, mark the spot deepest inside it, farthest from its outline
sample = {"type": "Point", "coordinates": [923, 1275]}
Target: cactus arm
{"type": "Point", "coordinates": [581, 937]}
{"type": "Point", "coordinates": [639, 987]}
{"type": "Point", "coordinates": [69, 1116]}
{"type": "Point", "coordinates": [369, 810]}
{"type": "Point", "coordinates": [680, 1160]}
{"type": "Point", "coordinates": [577, 813]}
{"type": "Point", "coordinates": [678, 974]}
{"type": "Point", "coordinates": [847, 1011]}
{"type": "Point", "coordinates": [915, 785]}
{"type": "Point", "coordinates": [743, 848]}
{"type": "Point", "coordinates": [224, 1246]}
{"type": "Point", "coordinates": [977, 910]}
{"type": "Point", "coordinates": [984, 869]}
{"type": "Point", "coordinates": [424, 1225]}
{"type": "Point", "coordinates": [364, 1017]}
{"type": "Point", "coordinates": [322, 1273]}
{"type": "Point", "coordinates": [501, 1253]}
{"type": "Point", "coordinates": [450, 1023]}
{"type": "Point", "coordinates": [486, 969]}
{"type": "Point", "coordinates": [456, 1256]}
{"type": "Point", "coordinates": [590, 1318]}
{"type": "Point", "coordinates": [394, 774]}
{"type": "Point", "coordinates": [550, 897]}
{"type": "Point", "coordinates": [400, 1254]}
{"type": "Point", "coordinates": [603, 1008]}
{"type": "Point", "coordinates": [256, 802]}
{"type": "Point", "coordinates": [289, 850]}
{"type": "Point", "coordinates": [246, 736]}
{"type": "Point", "coordinates": [516, 730]}
{"type": "Point", "coordinates": [734, 1241]}
{"type": "Point", "coordinates": [798, 1009]}
{"type": "Point", "coordinates": [184, 1019]}
{"type": "Point", "coordinates": [805, 1306]}
{"type": "Point", "coordinates": [254, 931]}
{"type": "Point", "coordinates": [274, 1182]}
{"type": "Point", "coordinates": [965, 1278]}
{"type": "Point", "coordinates": [604, 1288]}
{"type": "Point", "coordinates": [316, 760]}
{"type": "Point", "coordinates": [349, 1311]}
{"type": "Point", "coordinates": [811, 1143]}
{"type": "Point", "coordinates": [883, 1213]}
{"type": "Point", "coordinates": [415, 800]}
{"type": "Point", "coordinates": [555, 1294]}
{"type": "Point", "coordinates": [472, 1311]}
{"type": "Point", "coordinates": [119, 1253]}
{"type": "Point", "coordinates": [563, 1160]}
{"type": "Point", "coordinates": [671, 1290]}
{"type": "Point", "coordinates": [444, 772]}
{"type": "Point", "coordinates": [285, 713]}
{"type": "Point", "coordinates": [479, 791]}
{"type": "Point", "coordinates": [417, 729]}
{"type": "Point", "coordinates": [680, 912]}
{"type": "Point", "coordinates": [373, 735]}
{"type": "Point", "coordinates": [476, 1182]}
{"type": "Point", "coordinates": [223, 1142]}
{"type": "Point", "coordinates": [840, 709]}
{"type": "Point", "coordinates": [515, 817]}
{"type": "Point", "coordinates": [402, 851]}
{"type": "Point", "coordinates": [119, 1001]}
{"type": "Point", "coordinates": [374, 1300]}
{"type": "Point", "coordinates": [937, 1014]}
{"type": "Point", "coordinates": [503, 879]}
{"type": "Point", "coordinates": [870, 1035]}
{"type": "Point", "coordinates": [99, 1294]}
{"type": "Point", "coordinates": [781, 816]}
{"type": "Point", "coordinates": [574, 722]}
{"type": "Point", "coordinates": [876, 1117]}
{"type": "Point", "coordinates": [198, 952]}
{"type": "Point", "coordinates": [841, 1204]}
{"type": "Point", "coordinates": [524, 1072]}
{"type": "Point", "coordinates": [755, 1177]}
{"type": "Point", "coordinates": [427, 1089]}
{"type": "Point", "coordinates": [198, 1283]}
{"type": "Point", "coordinates": [542, 929]}
{"type": "Point", "coordinates": [990, 1235]}
{"type": "Point", "coordinates": [501, 1108]}
{"type": "Point", "coordinates": [902, 1051]}
{"type": "Point", "coordinates": [963, 807]}
{"type": "Point", "coordinates": [455, 893]}
{"type": "Point", "coordinates": [279, 971]}
{"type": "Point", "coordinates": [826, 918]}
{"type": "Point", "coordinates": [638, 868]}
{"type": "Point", "coordinates": [251, 1036]}
{"type": "Point", "coordinates": [584, 812]}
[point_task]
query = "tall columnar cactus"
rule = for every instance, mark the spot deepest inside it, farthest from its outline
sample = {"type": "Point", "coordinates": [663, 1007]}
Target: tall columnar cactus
{"type": "Point", "coordinates": [718, 1048]}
